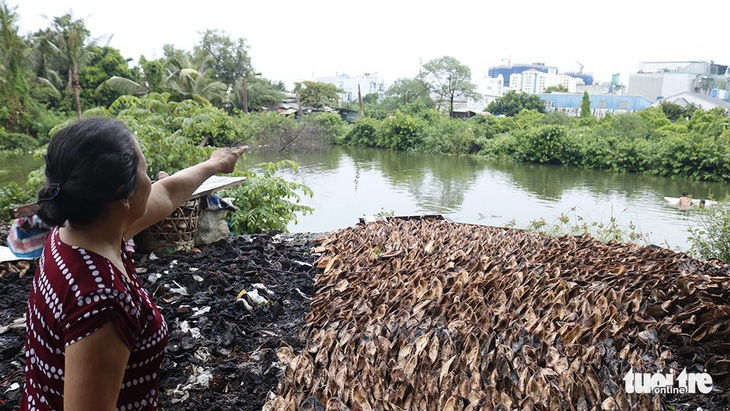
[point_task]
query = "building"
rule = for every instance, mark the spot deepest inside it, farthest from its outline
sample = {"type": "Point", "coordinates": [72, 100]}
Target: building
{"type": "Point", "coordinates": [702, 100]}
{"type": "Point", "coordinates": [658, 80]}
{"type": "Point", "coordinates": [601, 104]}
{"type": "Point", "coordinates": [506, 72]}
{"type": "Point", "coordinates": [535, 82]}
{"type": "Point", "coordinates": [369, 83]}
{"type": "Point", "coordinates": [536, 77]}
{"type": "Point", "coordinates": [600, 88]}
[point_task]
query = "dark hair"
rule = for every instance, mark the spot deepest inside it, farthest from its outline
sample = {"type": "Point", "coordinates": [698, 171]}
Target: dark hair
{"type": "Point", "coordinates": [89, 163]}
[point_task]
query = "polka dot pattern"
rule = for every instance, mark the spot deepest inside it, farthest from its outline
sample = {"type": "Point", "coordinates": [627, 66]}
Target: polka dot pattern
{"type": "Point", "coordinates": [74, 293]}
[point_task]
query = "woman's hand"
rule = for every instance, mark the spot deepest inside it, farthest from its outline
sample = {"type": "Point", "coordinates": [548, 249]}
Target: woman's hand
{"type": "Point", "coordinates": [225, 158]}
{"type": "Point", "coordinates": [170, 192]}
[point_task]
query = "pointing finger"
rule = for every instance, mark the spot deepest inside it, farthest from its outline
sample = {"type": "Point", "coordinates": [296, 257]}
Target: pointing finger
{"type": "Point", "coordinates": [241, 150]}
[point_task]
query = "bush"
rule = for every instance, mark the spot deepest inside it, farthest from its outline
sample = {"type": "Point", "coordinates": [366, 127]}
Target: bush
{"type": "Point", "coordinates": [503, 145]}
{"type": "Point", "coordinates": [330, 125]}
{"type": "Point", "coordinates": [266, 201]}
{"type": "Point", "coordinates": [365, 132]}
{"type": "Point", "coordinates": [711, 238]}
{"type": "Point", "coordinates": [544, 144]}
{"type": "Point", "coordinates": [400, 132]}
{"type": "Point", "coordinates": [448, 136]}
{"type": "Point", "coordinates": [12, 195]}
{"type": "Point", "coordinates": [16, 142]}
{"type": "Point", "coordinates": [268, 128]}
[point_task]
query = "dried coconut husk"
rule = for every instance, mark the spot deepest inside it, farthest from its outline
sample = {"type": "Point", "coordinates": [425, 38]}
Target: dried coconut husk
{"type": "Point", "coordinates": [443, 316]}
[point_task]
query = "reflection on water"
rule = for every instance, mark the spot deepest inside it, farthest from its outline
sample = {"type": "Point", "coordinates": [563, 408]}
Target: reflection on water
{"type": "Point", "coordinates": [351, 182]}
{"type": "Point", "coordinates": [16, 167]}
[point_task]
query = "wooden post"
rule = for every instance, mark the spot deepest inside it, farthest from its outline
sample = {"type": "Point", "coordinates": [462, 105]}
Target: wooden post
{"type": "Point", "coordinates": [359, 97]}
{"type": "Point", "coordinates": [244, 89]}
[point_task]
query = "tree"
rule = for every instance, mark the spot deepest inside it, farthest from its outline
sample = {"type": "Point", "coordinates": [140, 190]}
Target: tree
{"type": "Point", "coordinates": [673, 111]}
{"type": "Point", "coordinates": [259, 91]}
{"type": "Point", "coordinates": [148, 77]}
{"type": "Point", "coordinates": [106, 62]}
{"type": "Point", "coordinates": [513, 102]}
{"type": "Point", "coordinates": [191, 83]}
{"type": "Point", "coordinates": [409, 90]}
{"type": "Point", "coordinates": [448, 79]}
{"type": "Point", "coordinates": [47, 79]}
{"type": "Point", "coordinates": [317, 94]}
{"type": "Point", "coordinates": [556, 89]}
{"type": "Point", "coordinates": [370, 98]}
{"type": "Point", "coordinates": [70, 41]}
{"type": "Point", "coordinates": [14, 75]}
{"type": "Point", "coordinates": [585, 106]}
{"type": "Point", "coordinates": [189, 78]}
{"type": "Point", "coordinates": [228, 59]}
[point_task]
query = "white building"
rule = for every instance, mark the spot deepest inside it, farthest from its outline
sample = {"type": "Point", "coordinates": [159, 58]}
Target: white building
{"type": "Point", "coordinates": [369, 84]}
{"type": "Point", "coordinates": [659, 80]}
{"type": "Point", "coordinates": [535, 82]}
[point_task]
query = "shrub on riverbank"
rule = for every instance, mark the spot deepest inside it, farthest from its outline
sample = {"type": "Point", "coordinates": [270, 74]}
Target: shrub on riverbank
{"type": "Point", "coordinates": [711, 237]}
{"type": "Point", "coordinates": [16, 141]}
{"type": "Point", "coordinates": [644, 142]}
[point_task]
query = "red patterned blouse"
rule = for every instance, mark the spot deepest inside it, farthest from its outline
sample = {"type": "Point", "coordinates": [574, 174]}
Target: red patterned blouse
{"type": "Point", "coordinates": [74, 293]}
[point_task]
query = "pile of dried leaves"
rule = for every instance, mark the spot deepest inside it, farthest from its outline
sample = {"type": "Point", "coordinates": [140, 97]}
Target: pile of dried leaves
{"type": "Point", "coordinates": [443, 316]}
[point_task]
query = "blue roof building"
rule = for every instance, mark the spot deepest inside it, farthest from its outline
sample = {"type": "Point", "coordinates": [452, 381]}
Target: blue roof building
{"type": "Point", "coordinates": [601, 104]}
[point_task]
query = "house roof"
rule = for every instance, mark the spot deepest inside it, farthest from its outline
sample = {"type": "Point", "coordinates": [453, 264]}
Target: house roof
{"type": "Point", "coordinates": [687, 97]}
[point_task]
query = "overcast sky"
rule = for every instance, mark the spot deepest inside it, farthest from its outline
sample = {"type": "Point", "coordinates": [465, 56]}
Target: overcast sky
{"type": "Point", "coordinates": [297, 40]}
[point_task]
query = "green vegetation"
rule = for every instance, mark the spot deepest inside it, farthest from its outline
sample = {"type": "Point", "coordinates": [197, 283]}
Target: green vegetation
{"type": "Point", "coordinates": [645, 142]}
{"type": "Point", "coordinates": [267, 201]}
{"type": "Point", "coordinates": [711, 238]}
{"type": "Point", "coordinates": [573, 223]}
{"type": "Point", "coordinates": [585, 106]}
{"type": "Point", "coordinates": [448, 79]}
{"type": "Point", "coordinates": [316, 94]}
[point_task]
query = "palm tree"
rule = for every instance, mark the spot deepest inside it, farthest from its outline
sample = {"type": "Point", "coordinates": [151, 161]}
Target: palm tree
{"type": "Point", "coordinates": [183, 78]}
{"type": "Point", "coordinates": [70, 42]}
{"type": "Point", "coordinates": [124, 85]}
{"type": "Point", "coordinates": [188, 79]}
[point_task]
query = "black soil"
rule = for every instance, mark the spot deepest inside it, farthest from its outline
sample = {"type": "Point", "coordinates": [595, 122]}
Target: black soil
{"type": "Point", "coordinates": [221, 354]}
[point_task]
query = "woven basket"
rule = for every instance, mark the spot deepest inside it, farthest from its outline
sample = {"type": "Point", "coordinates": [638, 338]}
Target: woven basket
{"type": "Point", "coordinates": [174, 233]}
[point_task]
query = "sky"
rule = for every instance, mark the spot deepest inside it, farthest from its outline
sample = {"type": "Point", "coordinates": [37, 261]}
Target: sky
{"type": "Point", "coordinates": [301, 40]}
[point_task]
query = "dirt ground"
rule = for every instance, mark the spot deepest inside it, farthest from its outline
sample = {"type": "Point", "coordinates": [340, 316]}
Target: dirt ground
{"type": "Point", "coordinates": [221, 353]}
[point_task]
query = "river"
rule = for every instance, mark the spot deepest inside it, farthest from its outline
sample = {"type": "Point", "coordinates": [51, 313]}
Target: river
{"type": "Point", "coordinates": [349, 183]}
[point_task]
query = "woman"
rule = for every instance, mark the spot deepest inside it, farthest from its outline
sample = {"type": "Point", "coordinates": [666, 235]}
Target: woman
{"type": "Point", "coordinates": [94, 338]}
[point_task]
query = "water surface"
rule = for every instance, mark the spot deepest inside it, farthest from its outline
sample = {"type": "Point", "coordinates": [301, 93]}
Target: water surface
{"type": "Point", "coordinates": [351, 182]}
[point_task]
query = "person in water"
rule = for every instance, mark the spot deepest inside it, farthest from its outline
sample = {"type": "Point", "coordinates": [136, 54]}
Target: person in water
{"type": "Point", "coordinates": [684, 202]}
{"type": "Point", "coordinates": [95, 340]}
